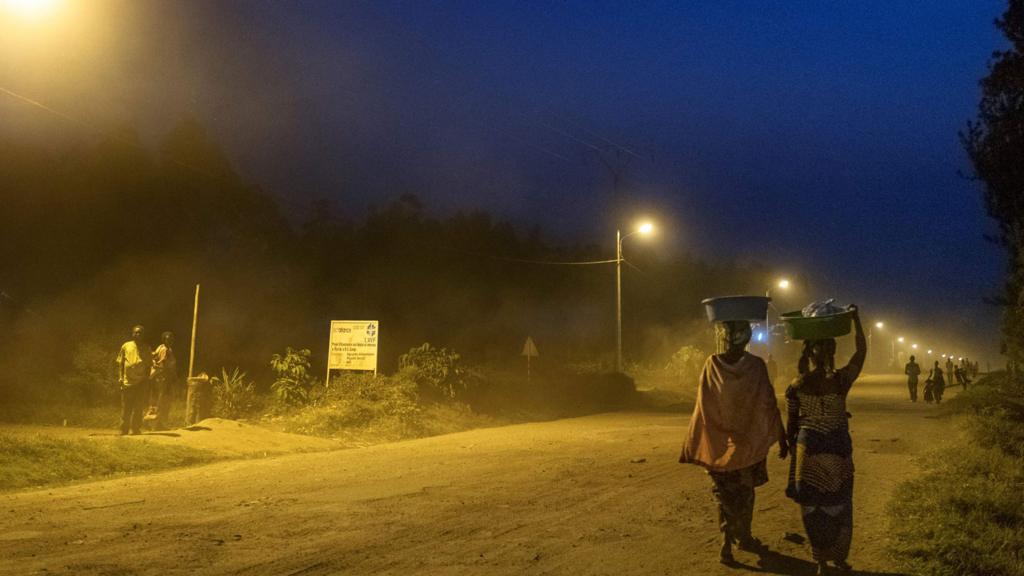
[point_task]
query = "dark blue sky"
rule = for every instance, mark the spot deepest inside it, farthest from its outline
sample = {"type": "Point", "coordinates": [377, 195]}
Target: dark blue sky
{"type": "Point", "coordinates": [819, 137]}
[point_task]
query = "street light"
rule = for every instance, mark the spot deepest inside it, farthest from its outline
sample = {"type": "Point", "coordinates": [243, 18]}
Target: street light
{"type": "Point", "coordinates": [914, 346]}
{"type": "Point", "coordinates": [871, 331]}
{"type": "Point", "coordinates": [644, 229]}
{"type": "Point", "coordinates": [781, 284]}
{"type": "Point", "coordinates": [30, 9]}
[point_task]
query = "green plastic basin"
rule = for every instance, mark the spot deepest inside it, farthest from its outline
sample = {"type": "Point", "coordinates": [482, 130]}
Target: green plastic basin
{"type": "Point", "coordinates": [817, 327]}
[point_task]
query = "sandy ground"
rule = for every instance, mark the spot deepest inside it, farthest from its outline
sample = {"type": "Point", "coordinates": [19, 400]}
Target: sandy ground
{"type": "Point", "coordinates": [595, 495]}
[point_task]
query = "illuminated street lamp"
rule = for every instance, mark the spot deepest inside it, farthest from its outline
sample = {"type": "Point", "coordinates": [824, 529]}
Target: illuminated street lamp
{"type": "Point", "coordinates": [871, 331]}
{"type": "Point", "coordinates": [30, 9]}
{"type": "Point", "coordinates": [914, 346]}
{"type": "Point", "coordinates": [644, 229]}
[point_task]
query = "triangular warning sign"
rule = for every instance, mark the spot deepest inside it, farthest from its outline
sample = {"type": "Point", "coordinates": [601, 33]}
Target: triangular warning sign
{"type": "Point", "coordinates": [530, 349]}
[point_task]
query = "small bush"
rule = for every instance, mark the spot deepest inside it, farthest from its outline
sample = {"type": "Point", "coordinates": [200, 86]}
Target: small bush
{"type": "Point", "coordinates": [92, 377]}
{"type": "Point", "coordinates": [234, 396]}
{"type": "Point", "coordinates": [438, 371]}
{"type": "Point", "coordinates": [686, 364]}
{"type": "Point", "coordinates": [293, 383]}
{"type": "Point", "coordinates": [388, 405]}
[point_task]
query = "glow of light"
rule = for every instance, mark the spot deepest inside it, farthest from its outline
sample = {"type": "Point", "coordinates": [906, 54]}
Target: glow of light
{"type": "Point", "coordinates": [645, 228]}
{"type": "Point", "coordinates": [30, 9]}
{"type": "Point", "coordinates": [900, 339]}
{"type": "Point", "coordinates": [760, 336]}
{"type": "Point", "coordinates": [879, 325]}
{"type": "Point", "coordinates": [929, 352]}
{"type": "Point", "coordinates": [914, 346]}
{"type": "Point", "coordinates": [784, 284]}
{"type": "Point", "coordinates": [943, 355]}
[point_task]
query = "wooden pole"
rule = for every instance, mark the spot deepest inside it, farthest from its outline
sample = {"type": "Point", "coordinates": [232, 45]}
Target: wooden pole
{"type": "Point", "coordinates": [192, 348]}
{"type": "Point", "coordinates": [330, 334]}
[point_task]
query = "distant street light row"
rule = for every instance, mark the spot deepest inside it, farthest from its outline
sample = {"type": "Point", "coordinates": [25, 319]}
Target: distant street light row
{"type": "Point", "coordinates": [646, 228]}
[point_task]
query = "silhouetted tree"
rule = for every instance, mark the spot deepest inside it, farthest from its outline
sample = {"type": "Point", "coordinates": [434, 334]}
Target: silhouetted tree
{"type": "Point", "coordinates": [995, 144]}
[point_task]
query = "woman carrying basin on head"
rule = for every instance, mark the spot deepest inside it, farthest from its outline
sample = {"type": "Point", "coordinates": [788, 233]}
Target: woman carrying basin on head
{"type": "Point", "coordinates": [735, 421]}
{"type": "Point", "coordinates": [821, 471]}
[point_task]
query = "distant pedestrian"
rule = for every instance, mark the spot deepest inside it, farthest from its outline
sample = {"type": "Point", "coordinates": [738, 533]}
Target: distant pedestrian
{"type": "Point", "coordinates": [949, 369]}
{"type": "Point", "coordinates": [165, 378]}
{"type": "Point", "coordinates": [133, 365]}
{"type": "Point", "coordinates": [938, 382]}
{"type": "Point", "coordinates": [821, 470]}
{"type": "Point", "coordinates": [735, 421]}
{"type": "Point", "coordinates": [912, 370]}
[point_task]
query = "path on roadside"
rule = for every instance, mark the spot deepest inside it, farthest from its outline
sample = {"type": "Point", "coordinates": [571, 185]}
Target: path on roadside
{"type": "Point", "coordinates": [595, 495]}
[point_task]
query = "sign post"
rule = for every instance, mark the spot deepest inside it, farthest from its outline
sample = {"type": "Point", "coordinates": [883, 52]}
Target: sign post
{"type": "Point", "coordinates": [352, 346]}
{"type": "Point", "coordinates": [530, 351]}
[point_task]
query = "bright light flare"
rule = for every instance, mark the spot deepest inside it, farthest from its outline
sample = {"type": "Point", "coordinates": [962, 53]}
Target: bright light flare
{"type": "Point", "coordinates": [784, 284]}
{"type": "Point", "coordinates": [914, 346]}
{"type": "Point", "coordinates": [900, 339]}
{"type": "Point", "coordinates": [645, 228]}
{"type": "Point", "coordinates": [929, 352]}
{"type": "Point", "coordinates": [879, 325]}
{"type": "Point", "coordinates": [30, 9]}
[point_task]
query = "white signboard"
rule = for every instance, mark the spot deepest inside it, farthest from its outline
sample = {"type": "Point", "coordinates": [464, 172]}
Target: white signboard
{"type": "Point", "coordinates": [353, 345]}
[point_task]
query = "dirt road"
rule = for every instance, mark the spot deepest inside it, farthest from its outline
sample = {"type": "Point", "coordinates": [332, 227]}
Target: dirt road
{"type": "Point", "coordinates": [595, 495]}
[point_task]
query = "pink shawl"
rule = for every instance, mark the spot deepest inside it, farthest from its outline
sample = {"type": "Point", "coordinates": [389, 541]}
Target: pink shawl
{"type": "Point", "coordinates": [736, 418]}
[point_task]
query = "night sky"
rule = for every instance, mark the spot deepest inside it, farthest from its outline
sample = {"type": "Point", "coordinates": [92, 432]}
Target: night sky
{"type": "Point", "coordinates": [819, 138]}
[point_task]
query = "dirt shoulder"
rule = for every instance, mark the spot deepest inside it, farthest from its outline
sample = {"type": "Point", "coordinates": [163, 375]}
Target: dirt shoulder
{"type": "Point", "coordinates": [594, 495]}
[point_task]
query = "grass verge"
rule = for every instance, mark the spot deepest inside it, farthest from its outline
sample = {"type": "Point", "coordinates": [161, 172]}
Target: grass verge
{"type": "Point", "coordinates": [965, 513]}
{"type": "Point", "coordinates": [36, 461]}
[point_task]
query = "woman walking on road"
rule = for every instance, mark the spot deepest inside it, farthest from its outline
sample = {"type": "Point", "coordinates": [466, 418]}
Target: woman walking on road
{"type": "Point", "coordinates": [735, 421]}
{"type": "Point", "coordinates": [938, 382]}
{"type": "Point", "coordinates": [821, 471]}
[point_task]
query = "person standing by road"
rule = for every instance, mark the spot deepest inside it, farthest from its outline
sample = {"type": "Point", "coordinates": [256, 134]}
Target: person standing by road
{"type": "Point", "coordinates": [773, 369]}
{"type": "Point", "coordinates": [949, 369]}
{"type": "Point", "coordinates": [165, 378]}
{"type": "Point", "coordinates": [133, 364]}
{"type": "Point", "coordinates": [821, 471]}
{"type": "Point", "coordinates": [938, 382]}
{"type": "Point", "coordinates": [912, 370]}
{"type": "Point", "coordinates": [734, 424]}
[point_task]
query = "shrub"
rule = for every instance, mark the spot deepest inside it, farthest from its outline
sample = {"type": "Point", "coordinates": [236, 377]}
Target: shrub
{"type": "Point", "coordinates": [235, 397]}
{"type": "Point", "coordinates": [438, 371]}
{"type": "Point", "coordinates": [686, 364]}
{"type": "Point", "coordinates": [293, 382]}
{"type": "Point", "coordinates": [354, 403]}
{"type": "Point", "coordinates": [92, 376]}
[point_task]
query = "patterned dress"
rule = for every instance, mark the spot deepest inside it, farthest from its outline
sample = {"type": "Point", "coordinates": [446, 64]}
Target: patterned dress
{"type": "Point", "coordinates": [821, 467]}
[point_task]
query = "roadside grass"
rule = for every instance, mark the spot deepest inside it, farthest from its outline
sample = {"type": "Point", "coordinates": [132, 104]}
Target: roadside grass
{"type": "Point", "coordinates": [106, 415]}
{"type": "Point", "coordinates": [965, 513]}
{"type": "Point", "coordinates": [38, 460]}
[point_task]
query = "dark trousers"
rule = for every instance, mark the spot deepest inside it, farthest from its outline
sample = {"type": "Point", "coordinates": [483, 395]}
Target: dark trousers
{"type": "Point", "coordinates": [133, 405]}
{"type": "Point", "coordinates": [734, 492]}
{"type": "Point", "coordinates": [912, 386]}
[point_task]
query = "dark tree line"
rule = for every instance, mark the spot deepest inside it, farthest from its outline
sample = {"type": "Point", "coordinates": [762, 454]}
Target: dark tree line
{"type": "Point", "coordinates": [99, 236]}
{"type": "Point", "coordinates": [995, 145]}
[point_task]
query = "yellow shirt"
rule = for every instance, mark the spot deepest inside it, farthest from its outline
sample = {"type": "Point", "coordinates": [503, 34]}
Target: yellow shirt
{"type": "Point", "coordinates": [134, 361]}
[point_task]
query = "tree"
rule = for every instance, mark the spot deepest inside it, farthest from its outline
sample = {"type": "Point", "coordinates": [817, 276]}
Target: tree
{"type": "Point", "coordinates": [995, 145]}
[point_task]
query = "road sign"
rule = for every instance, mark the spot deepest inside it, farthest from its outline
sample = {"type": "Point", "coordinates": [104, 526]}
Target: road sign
{"type": "Point", "coordinates": [353, 345]}
{"type": "Point", "coordinates": [530, 349]}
